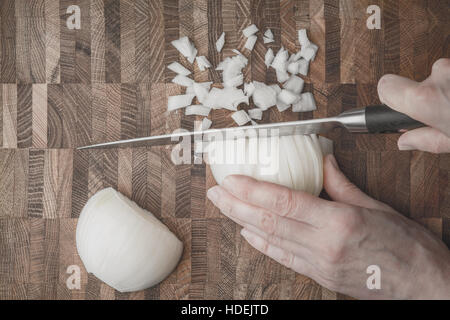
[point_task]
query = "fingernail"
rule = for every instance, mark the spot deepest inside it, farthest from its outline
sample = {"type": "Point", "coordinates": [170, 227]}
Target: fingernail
{"type": "Point", "coordinates": [405, 147]}
{"type": "Point", "coordinates": [227, 182]}
{"type": "Point", "coordinates": [213, 194]}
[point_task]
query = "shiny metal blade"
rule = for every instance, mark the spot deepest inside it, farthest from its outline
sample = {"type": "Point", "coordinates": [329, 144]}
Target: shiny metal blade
{"type": "Point", "coordinates": [269, 129]}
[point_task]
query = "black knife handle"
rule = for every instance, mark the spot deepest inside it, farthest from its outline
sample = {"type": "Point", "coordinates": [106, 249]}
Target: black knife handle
{"type": "Point", "coordinates": [382, 119]}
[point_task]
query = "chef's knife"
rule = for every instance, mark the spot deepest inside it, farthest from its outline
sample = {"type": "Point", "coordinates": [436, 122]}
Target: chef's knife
{"type": "Point", "coordinates": [372, 119]}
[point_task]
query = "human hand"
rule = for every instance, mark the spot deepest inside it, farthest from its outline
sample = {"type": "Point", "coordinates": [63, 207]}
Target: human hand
{"type": "Point", "coordinates": [333, 242]}
{"type": "Point", "coordinates": [427, 101]}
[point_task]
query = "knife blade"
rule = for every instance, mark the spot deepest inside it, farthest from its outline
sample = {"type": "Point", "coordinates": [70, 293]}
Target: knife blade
{"type": "Point", "coordinates": [372, 119]}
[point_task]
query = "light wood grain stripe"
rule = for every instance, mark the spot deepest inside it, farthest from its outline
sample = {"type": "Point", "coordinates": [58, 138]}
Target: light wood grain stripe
{"type": "Point", "coordinates": [9, 97]}
{"type": "Point", "coordinates": [58, 183]}
{"type": "Point", "coordinates": [80, 190]}
{"type": "Point", "coordinates": [35, 185]}
{"type": "Point", "coordinates": [39, 115]}
{"type": "Point", "coordinates": [8, 42]}
{"type": "Point", "coordinates": [20, 183]}
{"type": "Point", "coordinates": [24, 115]}
{"type": "Point", "coordinates": [7, 185]}
{"type": "Point", "coordinates": [52, 42]}
{"type": "Point", "coordinates": [97, 41]}
{"type": "Point", "coordinates": [128, 111]}
{"type": "Point", "coordinates": [127, 41]}
{"type": "Point", "coordinates": [113, 104]}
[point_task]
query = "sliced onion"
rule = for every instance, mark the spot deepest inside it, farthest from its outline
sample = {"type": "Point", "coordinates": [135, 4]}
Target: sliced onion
{"type": "Point", "coordinates": [268, 59]}
{"type": "Point", "coordinates": [293, 67]}
{"type": "Point", "coordinates": [179, 101]}
{"type": "Point", "coordinates": [287, 96]}
{"type": "Point", "coordinates": [294, 84]}
{"type": "Point", "coordinates": [305, 104]}
{"type": "Point", "coordinates": [255, 113]}
{"type": "Point", "coordinates": [249, 88]}
{"type": "Point", "coordinates": [197, 109]}
{"type": "Point", "coordinates": [186, 48]}
{"type": "Point", "coordinates": [183, 80]}
{"type": "Point", "coordinates": [250, 30]}
{"type": "Point", "coordinates": [268, 40]}
{"type": "Point", "coordinates": [282, 75]}
{"type": "Point", "coordinates": [201, 91]}
{"type": "Point", "coordinates": [264, 96]}
{"type": "Point", "coordinates": [178, 68]}
{"type": "Point", "coordinates": [241, 117]}
{"type": "Point", "coordinates": [220, 42]}
{"type": "Point", "coordinates": [206, 124]}
{"type": "Point", "coordinates": [203, 63]}
{"type": "Point", "coordinates": [303, 67]}
{"type": "Point", "coordinates": [250, 43]}
{"type": "Point", "coordinates": [268, 34]}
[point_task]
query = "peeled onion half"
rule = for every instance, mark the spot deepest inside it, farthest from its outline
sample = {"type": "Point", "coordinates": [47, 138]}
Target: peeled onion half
{"type": "Point", "coordinates": [124, 245]}
{"type": "Point", "coordinates": [292, 161]}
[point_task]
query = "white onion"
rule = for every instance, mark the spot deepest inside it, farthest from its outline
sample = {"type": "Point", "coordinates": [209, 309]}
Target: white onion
{"type": "Point", "coordinates": [250, 30]}
{"type": "Point", "coordinates": [249, 88]}
{"type": "Point", "coordinates": [293, 67]}
{"type": "Point", "coordinates": [124, 245]}
{"type": "Point", "coordinates": [178, 68]}
{"type": "Point", "coordinates": [280, 60]}
{"type": "Point", "coordinates": [197, 109]}
{"type": "Point", "coordinates": [179, 101]}
{"type": "Point", "coordinates": [282, 75]}
{"type": "Point", "coordinates": [298, 160]}
{"type": "Point", "coordinates": [206, 124]}
{"type": "Point", "coordinates": [309, 52]}
{"type": "Point", "coordinates": [224, 98]}
{"type": "Point", "coordinates": [267, 40]}
{"type": "Point", "coordinates": [264, 96]}
{"type": "Point", "coordinates": [201, 92]}
{"type": "Point", "coordinates": [303, 67]}
{"type": "Point", "coordinates": [220, 42]}
{"type": "Point", "coordinates": [186, 48]}
{"type": "Point", "coordinates": [250, 43]}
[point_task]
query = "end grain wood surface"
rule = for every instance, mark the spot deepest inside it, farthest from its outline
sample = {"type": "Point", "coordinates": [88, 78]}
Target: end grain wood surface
{"type": "Point", "coordinates": [62, 88]}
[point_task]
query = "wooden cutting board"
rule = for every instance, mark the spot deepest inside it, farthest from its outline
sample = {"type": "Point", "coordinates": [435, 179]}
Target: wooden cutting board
{"type": "Point", "coordinates": [64, 88]}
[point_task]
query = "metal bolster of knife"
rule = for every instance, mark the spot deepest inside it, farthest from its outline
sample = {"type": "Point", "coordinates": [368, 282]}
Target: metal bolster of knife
{"type": "Point", "coordinates": [354, 120]}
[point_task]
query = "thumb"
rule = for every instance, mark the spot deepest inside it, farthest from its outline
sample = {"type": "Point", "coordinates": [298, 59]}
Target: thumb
{"type": "Point", "coordinates": [425, 139]}
{"type": "Point", "coordinates": [340, 189]}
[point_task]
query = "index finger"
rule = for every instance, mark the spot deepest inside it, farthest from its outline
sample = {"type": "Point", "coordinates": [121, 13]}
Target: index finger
{"type": "Point", "coordinates": [282, 201]}
{"type": "Point", "coordinates": [393, 91]}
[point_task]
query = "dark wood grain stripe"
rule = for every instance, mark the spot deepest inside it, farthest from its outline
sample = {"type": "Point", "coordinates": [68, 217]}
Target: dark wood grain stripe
{"type": "Point", "coordinates": [6, 187]}
{"type": "Point", "coordinates": [214, 31]}
{"type": "Point", "coordinates": [71, 97]}
{"type": "Point", "coordinates": [144, 20]}
{"type": "Point", "coordinates": [84, 114]}
{"type": "Point", "coordinates": [8, 42]}
{"type": "Point", "coordinates": [20, 183]}
{"type": "Point", "coordinates": [113, 104]}
{"type": "Point", "coordinates": [128, 111]}
{"type": "Point", "coordinates": [110, 168]}
{"type": "Point", "coordinates": [199, 263]}
{"type": "Point", "coordinates": [227, 258]}
{"type": "Point", "coordinates": [154, 172]}
{"type": "Point", "coordinates": [83, 45]}
{"type": "Point", "coordinates": [98, 41]}
{"type": "Point", "coordinates": [35, 185]}
{"type": "Point", "coordinates": [156, 41]}
{"type": "Point", "coordinates": [99, 113]}
{"type": "Point", "coordinates": [112, 36]}
{"type": "Point", "coordinates": [24, 116]}
{"type": "Point", "coordinates": [80, 181]}
{"type": "Point", "coordinates": [67, 45]}
{"type": "Point", "coordinates": [171, 32]}
{"type": "Point", "coordinates": [391, 30]}
{"type": "Point", "coordinates": [143, 110]}
{"type": "Point", "coordinates": [139, 177]}
{"type": "Point", "coordinates": [127, 41]}
{"type": "Point", "coordinates": [55, 131]}
{"type": "Point", "coordinates": [1, 115]}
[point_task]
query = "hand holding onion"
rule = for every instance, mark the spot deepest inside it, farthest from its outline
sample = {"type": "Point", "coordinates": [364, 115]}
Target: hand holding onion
{"type": "Point", "coordinates": [427, 101]}
{"type": "Point", "coordinates": [333, 242]}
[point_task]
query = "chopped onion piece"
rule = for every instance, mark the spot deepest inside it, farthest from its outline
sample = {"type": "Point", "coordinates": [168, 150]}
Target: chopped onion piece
{"type": "Point", "coordinates": [305, 104]}
{"type": "Point", "coordinates": [280, 60]}
{"type": "Point", "coordinates": [200, 92]}
{"type": "Point", "coordinates": [303, 67]}
{"type": "Point", "coordinates": [203, 63]}
{"type": "Point", "coordinates": [281, 106]}
{"type": "Point", "coordinates": [179, 101]}
{"type": "Point", "coordinates": [267, 40]}
{"type": "Point", "coordinates": [183, 80]}
{"type": "Point", "coordinates": [250, 43]}
{"type": "Point", "coordinates": [309, 52]}
{"type": "Point", "coordinates": [206, 124]}
{"type": "Point", "coordinates": [244, 99]}
{"type": "Point", "coordinates": [276, 88]}
{"type": "Point", "coordinates": [250, 30]}
{"type": "Point", "coordinates": [287, 97]}
{"type": "Point", "coordinates": [234, 82]}
{"type": "Point", "coordinates": [249, 88]}
{"type": "Point", "coordinates": [282, 75]}
{"type": "Point", "coordinates": [224, 98]}
{"type": "Point", "coordinates": [220, 42]}
{"type": "Point", "coordinates": [197, 109]}
{"type": "Point", "coordinates": [268, 34]}
{"type": "Point", "coordinates": [255, 113]}
{"type": "Point", "coordinates": [293, 67]}
{"type": "Point", "coordinates": [254, 123]}
{"type": "Point", "coordinates": [241, 117]}
{"type": "Point", "coordinates": [268, 59]}
{"type": "Point", "coordinates": [178, 68]}
{"type": "Point", "coordinates": [264, 96]}
{"type": "Point", "coordinates": [294, 84]}
{"type": "Point", "coordinates": [303, 38]}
